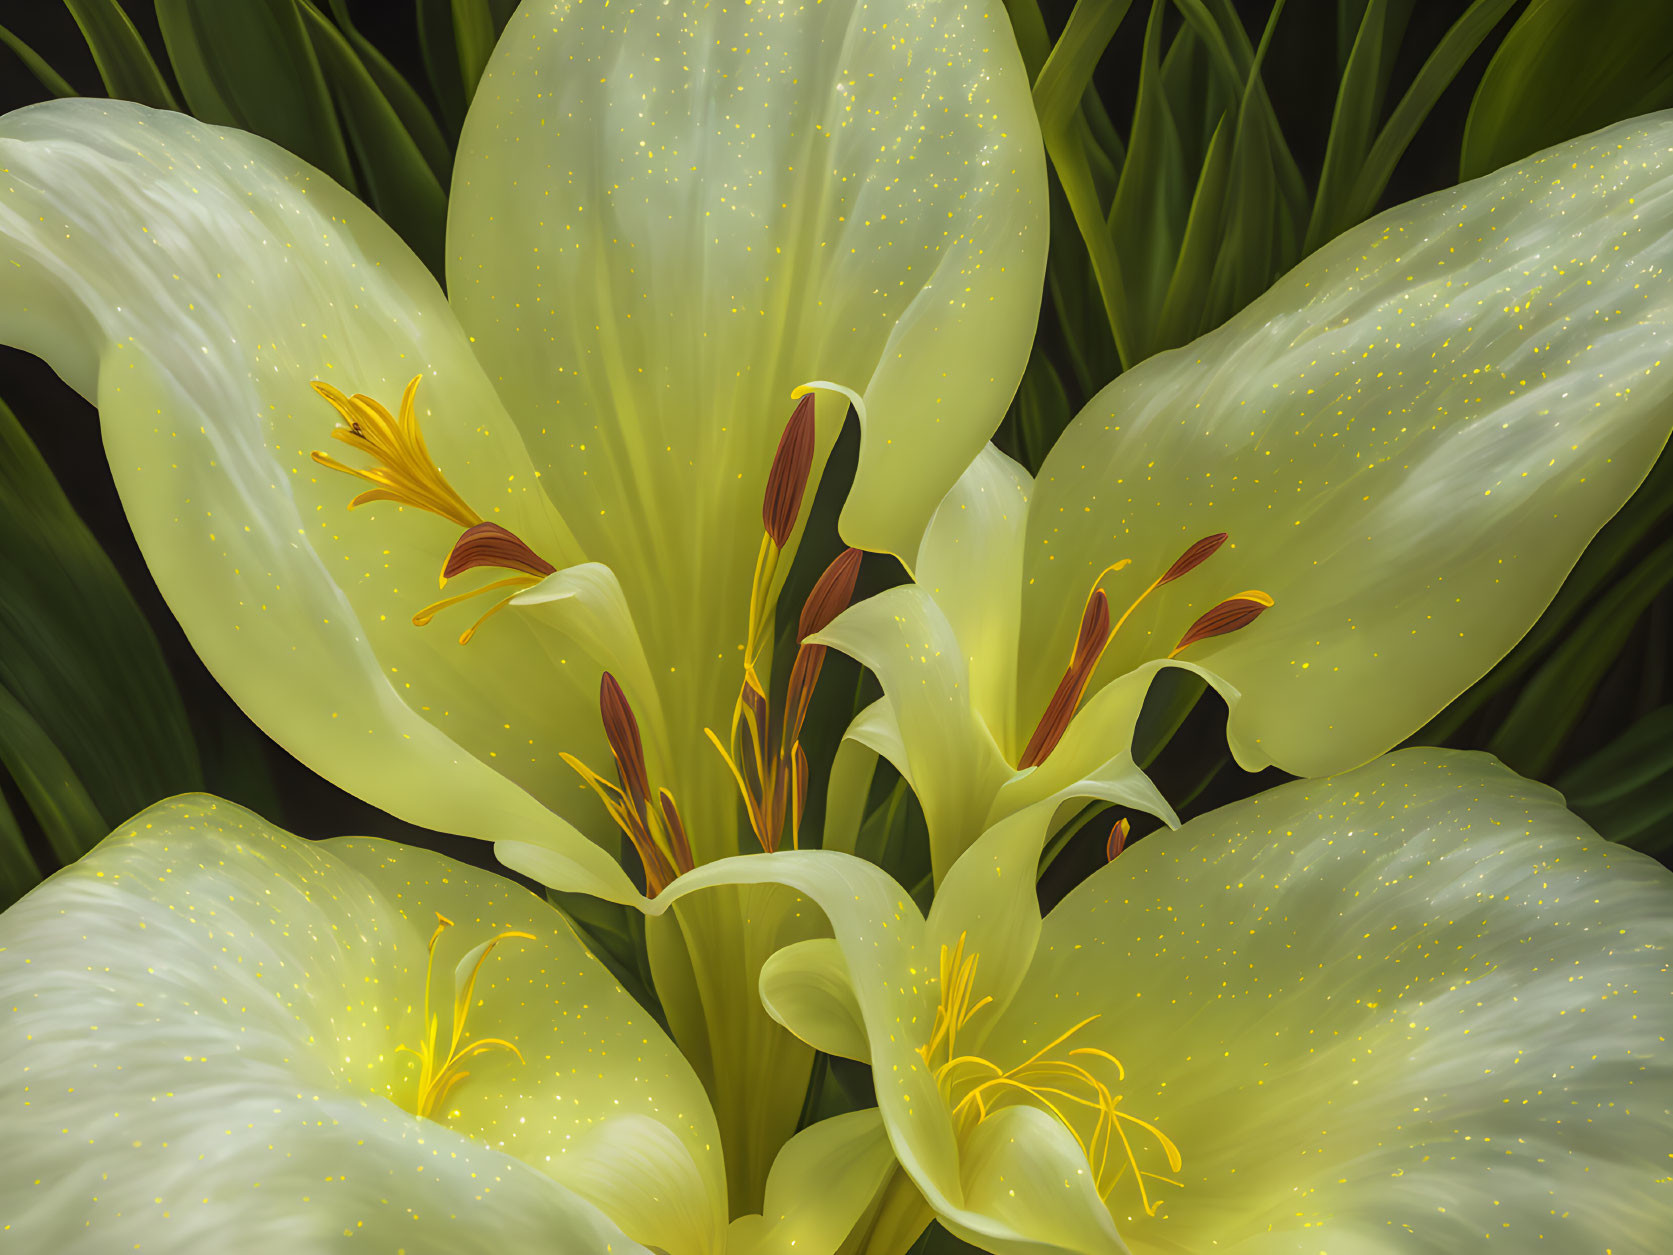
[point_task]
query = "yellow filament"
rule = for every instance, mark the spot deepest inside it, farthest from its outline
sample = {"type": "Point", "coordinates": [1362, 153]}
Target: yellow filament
{"type": "Point", "coordinates": [423, 617]}
{"type": "Point", "coordinates": [438, 1076]}
{"type": "Point", "coordinates": [622, 811]}
{"type": "Point", "coordinates": [404, 471]}
{"type": "Point", "coordinates": [974, 1087]}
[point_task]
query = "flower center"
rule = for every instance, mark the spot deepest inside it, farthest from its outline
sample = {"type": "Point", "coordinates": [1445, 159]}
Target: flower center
{"type": "Point", "coordinates": [404, 472]}
{"type": "Point", "coordinates": [1058, 1078]}
{"type": "Point", "coordinates": [439, 1069]}
{"type": "Point", "coordinates": [1096, 633]}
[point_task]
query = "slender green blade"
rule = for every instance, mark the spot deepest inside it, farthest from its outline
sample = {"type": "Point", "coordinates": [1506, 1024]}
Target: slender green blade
{"type": "Point", "coordinates": [1443, 65]}
{"type": "Point", "coordinates": [125, 65]}
{"type": "Point", "coordinates": [1359, 109]}
{"type": "Point", "coordinates": [1042, 409]}
{"type": "Point", "coordinates": [19, 872]}
{"type": "Point", "coordinates": [474, 34]}
{"type": "Point", "coordinates": [50, 786]}
{"type": "Point", "coordinates": [48, 78]}
{"type": "Point", "coordinates": [1625, 790]}
{"type": "Point", "coordinates": [78, 661]}
{"type": "Point", "coordinates": [415, 115]}
{"type": "Point", "coordinates": [400, 183]}
{"type": "Point", "coordinates": [1554, 699]}
{"type": "Point", "coordinates": [1151, 202]}
{"type": "Point", "coordinates": [440, 50]}
{"type": "Point", "coordinates": [1568, 67]}
{"type": "Point", "coordinates": [251, 65]}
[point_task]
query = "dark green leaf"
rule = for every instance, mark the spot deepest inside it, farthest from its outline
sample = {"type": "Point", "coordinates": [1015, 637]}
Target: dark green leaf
{"type": "Point", "coordinates": [400, 184]}
{"type": "Point", "coordinates": [1568, 67]}
{"type": "Point", "coordinates": [441, 59]}
{"type": "Point", "coordinates": [1625, 790]}
{"type": "Point", "coordinates": [49, 785]}
{"type": "Point", "coordinates": [1455, 48]}
{"type": "Point", "coordinates": [251, 65]}
{"type": "Point", "coordinates": [78, 659]}
{"type": "Point", "coordinates": [1554, 699]}
{"type": "Point", "coordinates": [124, 63]}
{"type": "Point", "coordinates": [18, 871]}
{"type": "Point", "coordinates": [474, 34]}
{"type": "Point", "coordinates": [415, 115]}
{"type": "Point", "coordinates": [1042, 409]}
{"type": "Point", "coordinates": [48, 78]}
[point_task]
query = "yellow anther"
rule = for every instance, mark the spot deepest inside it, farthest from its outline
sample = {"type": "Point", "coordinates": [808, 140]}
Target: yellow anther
{"type": "Point", "coordinates": [439, 1071]}
{"type": "Point", "coordinates": [975, 1087]}
{"type": "Point", "coordinates": [404, 472]}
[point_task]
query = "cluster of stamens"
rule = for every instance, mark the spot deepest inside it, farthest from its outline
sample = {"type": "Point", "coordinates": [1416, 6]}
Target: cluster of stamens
{"type": "Point", "coordinates": [1061, 1082]}
{"type": "Point", "coordinates": [1096, 632]}
{"type": "Point", "coordinates": [764, 752]}
{"type": "Point", "coordinates": [654, 827]}
{"type": "Point", "coordinates": [403, 472]}
{"type": "Point", "coordinates": [440, 1071]}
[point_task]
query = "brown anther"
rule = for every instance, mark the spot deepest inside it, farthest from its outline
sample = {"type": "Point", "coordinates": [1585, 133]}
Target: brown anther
{"type": "Point", "coordinates": [1117, 839]}
{"type": "Point", "coordinates": [676, 832]}
{"type": "Point", "coordinates": [832, 592]}
{"type": "Point", "coordinates": [787, 480]}
{"type": "Point", "coordinates": [621, 730]}
{"type": "Point", "coordinates": [1230, 615]}
{"type": "Point", "coordinates": [1194, 557]}
{"type": "Point", "coordinates": [490, 545]}
{"type": "Point", "coordinates": [1089, 648]}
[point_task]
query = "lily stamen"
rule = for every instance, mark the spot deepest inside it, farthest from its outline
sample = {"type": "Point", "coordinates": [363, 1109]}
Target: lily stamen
{"type": "Point", "coordinates": [657, 833]}
{"type": "Point", "coordinates": [439, 1072]}
{"type": "Point", "coordinates": [766, 758]}
{"type": "Point", "coordinates": [975, 1087]}
{"type": "Point", "coordinates": [406, 473]}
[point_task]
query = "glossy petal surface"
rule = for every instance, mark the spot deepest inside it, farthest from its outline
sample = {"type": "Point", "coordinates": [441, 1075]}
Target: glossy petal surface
{"type": "Point", "coordinates": [1416, 1007]}
{"type": "Point", "coordinates": [1409, 438]}
{"type": "Point", "coordinates": [202, 1023]}
{"type": "Point", "coordinates": [666, 217]}
{"type": "Point", "coordinates": [194, 281]}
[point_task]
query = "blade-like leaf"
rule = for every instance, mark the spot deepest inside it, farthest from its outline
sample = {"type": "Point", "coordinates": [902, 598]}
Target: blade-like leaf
{"type": "Point", "coordinates": [1625, 790]}
{"type": "Point", "coordinates": [251, 65]}
{"type": "Point", "coordinates": [49, 785]}
{"type": "Point", "coordinates": [415, 115]}
{"type": "Point", "coordinates": [400, 183]}
{"type": "Point", "coordinates": [126, 66]}
{"type": "Point", "coordinates": [48, 78]}
{"type": "Point", "coordinates": [474, 34]}
{"type": "Point", "coordinates": [1554, 699]}
{"type": "Point", "coordinates": [1455, 48]}
{"type": "Point", "coordinates": [1359, 108]}
{"type": "Point", "coordinates": [77, 656]}
{"type": "Point", "coordinates": [440, 51]}
{"type": "Point", "coordinates": [1043, 409]}
{"type": "Point", "coordinates": [1568, 67]}
{"type": "Point", "coordinates": [18, 870]}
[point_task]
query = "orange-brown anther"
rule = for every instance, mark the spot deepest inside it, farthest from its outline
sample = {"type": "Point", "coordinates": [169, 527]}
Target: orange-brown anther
{"type": "Point", "coordinates": [489, 544]}
{"type": "Point", "coordinates": [787, 480]}
{"type": "Point", "coordinates": [1117, 839]}
{"type": "Point", "coordinates": [621, 729]}
{"type": "Point", "coordinates": [1230, 615]}
{"type": "Point", "coordinates": [1089, 647]}
{"type": "Point", "coordinates": [831, 594]}
{"type": "Point", "coordinates": [1194, 557]}
{"type": "Point", "coordinates": [676, 832]}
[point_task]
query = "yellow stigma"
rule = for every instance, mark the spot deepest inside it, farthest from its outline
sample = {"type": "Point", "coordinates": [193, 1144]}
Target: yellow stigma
{"type": "Point", "coordinates": [1062, 1083]}
{"type": "Point", "coordinates": [404, 472]}
{"type": "Point", "coordinates": [439, 1071]}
